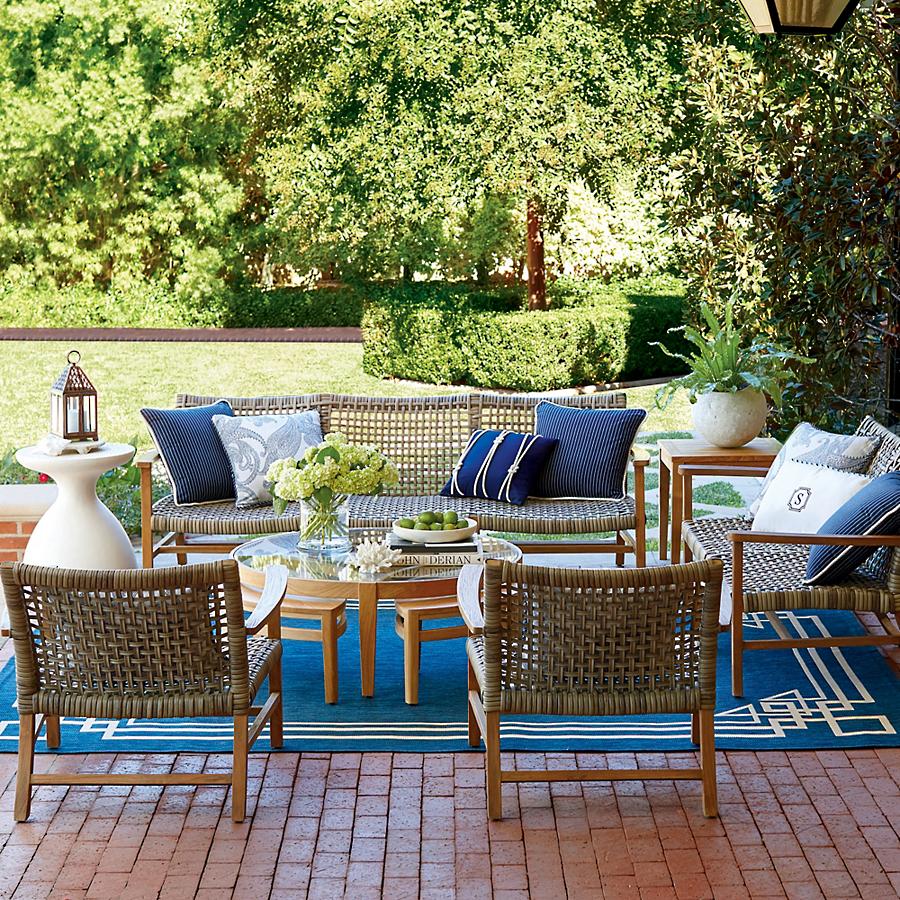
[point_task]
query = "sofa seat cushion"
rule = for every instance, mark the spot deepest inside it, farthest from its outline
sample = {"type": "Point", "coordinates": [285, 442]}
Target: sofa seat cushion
{"type": "Point", "coordinates": [775, 574]}
{"type": "Point", "coordinates": [533, 517]}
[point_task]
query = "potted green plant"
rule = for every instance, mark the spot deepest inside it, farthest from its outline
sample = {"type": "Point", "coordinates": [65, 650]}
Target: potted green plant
{"type": "Point", "coordinates": [730, 380]}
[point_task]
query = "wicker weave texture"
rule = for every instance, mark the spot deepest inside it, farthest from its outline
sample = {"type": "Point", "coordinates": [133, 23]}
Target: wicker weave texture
{"type": "Point", "coordinates": [886, 562]}
{"type": "Point", "coordinates": [424, 436]}
{"type": "Point", "coordinates": [774, 573]}
{"type": "Point", "coordinates": [564, 641]}
{"type": "Point", "coordinates": [379, 511]}
{"type": "Point", "coordinates": [148, 643]}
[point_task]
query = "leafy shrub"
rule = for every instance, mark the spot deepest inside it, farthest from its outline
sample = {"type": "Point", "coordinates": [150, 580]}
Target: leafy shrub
{"type": "Point", "coordinates": [150, 305]}
{"type": "Point", "coordinates": [293, 307]}
{"type": "Point", "coordinates": [654, 305]}
{"type": "Point", "coordinates": [454, 334]}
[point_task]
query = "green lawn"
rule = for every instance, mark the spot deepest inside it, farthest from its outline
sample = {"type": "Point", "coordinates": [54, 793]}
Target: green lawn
{"type": "Point", "coordinates": [129, 375]}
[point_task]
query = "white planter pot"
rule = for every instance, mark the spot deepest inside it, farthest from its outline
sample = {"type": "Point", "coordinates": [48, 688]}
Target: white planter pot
{"type": "Point", "coordinates": [730, 420]}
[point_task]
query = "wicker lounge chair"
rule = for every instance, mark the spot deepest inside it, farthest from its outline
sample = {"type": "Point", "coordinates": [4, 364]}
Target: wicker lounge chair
{"type": "Point", "coordinates": [602, 642]}
{"type": "Point", "coordinates": [167, 643]}
{"type": "Point", "coordinates": [764, 572]}
{"type": "Point", "coordinates": [424, 436]}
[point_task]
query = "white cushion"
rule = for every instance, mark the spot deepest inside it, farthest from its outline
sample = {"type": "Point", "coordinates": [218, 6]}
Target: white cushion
{"type": "Point", "coordinates": [808, 444]}
{"type": "Point", "coordinates": [801, 497]}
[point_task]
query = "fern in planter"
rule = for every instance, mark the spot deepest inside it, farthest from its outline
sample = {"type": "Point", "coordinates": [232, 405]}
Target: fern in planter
{"type": "Point", "coordinates": [721, 364]}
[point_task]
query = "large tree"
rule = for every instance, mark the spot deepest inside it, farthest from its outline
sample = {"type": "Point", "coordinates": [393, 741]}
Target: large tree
{"type": "Point", "coordinates": [382, 126]}
{"type": "Point", "coordinates": [786, 191]}
{"type": "Point", "coordinates": [118, 162]}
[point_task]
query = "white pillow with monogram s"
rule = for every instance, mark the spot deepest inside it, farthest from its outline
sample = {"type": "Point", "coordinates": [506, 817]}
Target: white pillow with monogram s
{"type": "Point", "coordinates": [802, 497]}
{"type": "Point", "coordinates": [253, 443]}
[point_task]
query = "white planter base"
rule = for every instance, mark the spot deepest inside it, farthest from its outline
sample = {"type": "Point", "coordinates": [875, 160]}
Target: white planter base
{"type": "Point", "coordinates": [730, 420]}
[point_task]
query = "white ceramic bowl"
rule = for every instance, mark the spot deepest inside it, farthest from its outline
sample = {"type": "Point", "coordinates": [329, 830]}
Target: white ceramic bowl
{"type": "Point", "coordinates": [437, 537]}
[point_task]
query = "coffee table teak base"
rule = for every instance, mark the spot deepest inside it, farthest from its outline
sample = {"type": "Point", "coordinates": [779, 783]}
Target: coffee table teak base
{"type": "Point", "coordinates": [312, 580]}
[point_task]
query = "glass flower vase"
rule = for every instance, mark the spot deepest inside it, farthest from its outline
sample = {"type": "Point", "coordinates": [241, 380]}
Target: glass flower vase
{"type": "Point", "coordinates": [324, 527]}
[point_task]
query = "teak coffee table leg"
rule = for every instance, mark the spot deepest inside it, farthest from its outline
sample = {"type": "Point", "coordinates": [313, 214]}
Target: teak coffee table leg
{"type": "Point", "coordinates": [663, 509]}
{"type": "Point", "coordinates": [368, 621]}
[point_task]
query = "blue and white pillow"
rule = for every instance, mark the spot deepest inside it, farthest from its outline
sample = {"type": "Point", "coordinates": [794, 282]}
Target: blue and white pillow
{"type": "Point", "coordinates": [591, 457]}
{"type": "Point", "coordinates": [499, 465]}
{"type": "Point", "coordinates": [253, 443]}
{"type": "Point", "coordinates": [198, 467]}
{"type": "Point", "coordinates": [873, 510]}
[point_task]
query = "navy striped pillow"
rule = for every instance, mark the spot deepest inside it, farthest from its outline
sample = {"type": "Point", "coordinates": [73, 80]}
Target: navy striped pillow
{"type": "Point", "coordinates": [198, 467]}
{"type": "Point", "coordinates": [592, 454]}
{"type": "Point", "coordinates": [873, 510]}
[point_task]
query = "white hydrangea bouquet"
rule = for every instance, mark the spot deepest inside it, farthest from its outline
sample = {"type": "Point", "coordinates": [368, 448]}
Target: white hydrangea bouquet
{"type": "Point", "coordinates": [321, 480]}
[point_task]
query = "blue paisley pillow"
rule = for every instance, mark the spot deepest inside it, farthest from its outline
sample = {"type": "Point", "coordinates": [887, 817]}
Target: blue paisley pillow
{"type": "Point", "coordinates": [253, 443]}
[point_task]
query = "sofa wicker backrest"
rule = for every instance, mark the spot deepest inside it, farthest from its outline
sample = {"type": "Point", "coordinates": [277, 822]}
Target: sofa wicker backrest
{"type": "Point", "coordinates": [885, 564]}
{"type": "Point", "coordinates": [424, 436]}
{"type": "Point", "coordinates": [564, 641]}
{"type": "Point", "coordinates": [135, 641]}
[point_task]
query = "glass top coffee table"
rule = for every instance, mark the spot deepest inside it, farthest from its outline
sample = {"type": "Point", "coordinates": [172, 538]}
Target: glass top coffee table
{"type": "Point", "coordinates": [310, 576]}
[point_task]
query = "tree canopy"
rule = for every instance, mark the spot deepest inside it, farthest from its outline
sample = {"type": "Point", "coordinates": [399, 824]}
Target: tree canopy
{"type": "Point", "coordinates": [390, 130]}
{"type": "Point", "coordinates": [118, 162]}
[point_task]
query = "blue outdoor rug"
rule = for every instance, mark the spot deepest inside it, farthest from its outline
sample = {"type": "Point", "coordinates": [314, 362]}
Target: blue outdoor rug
{"type": "Point", "coordinates": [794, 700]}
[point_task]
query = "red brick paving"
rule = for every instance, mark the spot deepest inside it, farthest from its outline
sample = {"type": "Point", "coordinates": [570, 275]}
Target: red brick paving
{"type": "Point", "coordinates": [800, 825]}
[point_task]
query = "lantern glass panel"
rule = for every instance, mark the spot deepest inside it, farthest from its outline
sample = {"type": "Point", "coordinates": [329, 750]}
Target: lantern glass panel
{"type": "Point", "coordinates": [818, 14]}
{"type": "Point", "coordinates": [759, 15]}
{"type": "Point", "coordinates": [72, 416]}
{"type": "Point", "coordinates": [798, 16]}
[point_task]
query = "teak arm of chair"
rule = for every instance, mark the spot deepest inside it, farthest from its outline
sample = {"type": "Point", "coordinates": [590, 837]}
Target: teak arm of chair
{"type": "Point", "coordinates": [144, 461]}
{"type": "Point", "coordinates": [146, 458]}
{"type": "Point", "coordinates": [269, 605]}
{"type": "Point", "coordinates": [835, 540]}
{"type": "Point", "coordinates": [468, 595]}
{"type": "Point", "coordinates": [639, 457]}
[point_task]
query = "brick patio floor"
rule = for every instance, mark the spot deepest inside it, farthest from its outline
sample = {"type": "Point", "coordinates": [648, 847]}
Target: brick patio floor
{"type": "Point", "coordinates": [811, 824]}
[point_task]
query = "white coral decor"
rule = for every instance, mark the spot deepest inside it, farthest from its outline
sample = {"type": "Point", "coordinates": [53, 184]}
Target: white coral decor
{"type": "Point", "coordinates": [374, 556]}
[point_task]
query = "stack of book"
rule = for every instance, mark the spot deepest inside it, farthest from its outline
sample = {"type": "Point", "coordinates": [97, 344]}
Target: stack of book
{"type": "Point", "coordinates": [438, 556]}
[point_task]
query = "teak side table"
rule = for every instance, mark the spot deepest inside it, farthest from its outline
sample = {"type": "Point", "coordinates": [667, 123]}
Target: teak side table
{"type": "Point", "coordinates": [698, 456]}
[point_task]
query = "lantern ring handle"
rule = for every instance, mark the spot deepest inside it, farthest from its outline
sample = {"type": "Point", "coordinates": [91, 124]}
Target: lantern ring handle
{"type": "Point", "coordinates": [77, 356]}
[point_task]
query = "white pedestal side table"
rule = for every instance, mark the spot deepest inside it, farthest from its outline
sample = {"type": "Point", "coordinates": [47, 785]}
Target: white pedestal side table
{"type": "Point", "coordinates": [78, 531]}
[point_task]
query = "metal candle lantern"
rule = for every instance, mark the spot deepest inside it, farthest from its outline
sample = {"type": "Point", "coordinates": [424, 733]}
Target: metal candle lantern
{"type": "Point", "coordinates": [73, 403]}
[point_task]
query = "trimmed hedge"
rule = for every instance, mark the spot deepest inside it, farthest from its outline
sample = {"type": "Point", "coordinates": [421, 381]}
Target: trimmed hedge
{"type": "Point", "coordinates": [154, 305]}
{"type": "Point", "coordinates": [594, 332]}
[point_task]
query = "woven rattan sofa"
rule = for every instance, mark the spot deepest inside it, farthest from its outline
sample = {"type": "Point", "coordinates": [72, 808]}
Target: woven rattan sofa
{"type": "Point", "coordinates": [764, 571]}
{"type": "Point", "coordinates": [424, 436]}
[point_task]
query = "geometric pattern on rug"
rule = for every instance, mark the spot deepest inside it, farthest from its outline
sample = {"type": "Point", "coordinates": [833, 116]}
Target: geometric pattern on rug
{"type": "Point", "coordinates": [794, 699]}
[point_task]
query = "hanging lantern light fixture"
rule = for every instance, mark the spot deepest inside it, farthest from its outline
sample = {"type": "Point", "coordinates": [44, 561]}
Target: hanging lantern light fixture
{"type": "Point", "coordinates": [798, 16]}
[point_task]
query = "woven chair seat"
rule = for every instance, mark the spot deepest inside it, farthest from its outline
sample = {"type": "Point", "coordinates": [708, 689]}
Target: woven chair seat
{"type": "Point", "coordinates": [261, 654]}
{"type": "Point", "coordinates": [557, 701]}
{"type": "Point", "coordinates": [536, 516]}
{"type": "Point", "coordinates": [774, 573]}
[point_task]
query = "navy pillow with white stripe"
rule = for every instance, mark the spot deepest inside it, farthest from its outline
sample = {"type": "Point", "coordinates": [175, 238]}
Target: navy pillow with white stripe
{"type": "Point", "coordinates": [592, 454]}
{"type": "Point", "coordinates": [873, 510]}
{"type": "Point", "coordinates": [499, 465]}
{"type": "Point", "coordinates": [198, 467]}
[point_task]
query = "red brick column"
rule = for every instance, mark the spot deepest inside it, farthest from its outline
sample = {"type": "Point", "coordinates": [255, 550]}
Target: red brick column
{"type": "Point", "coordinates": [21, 505]}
